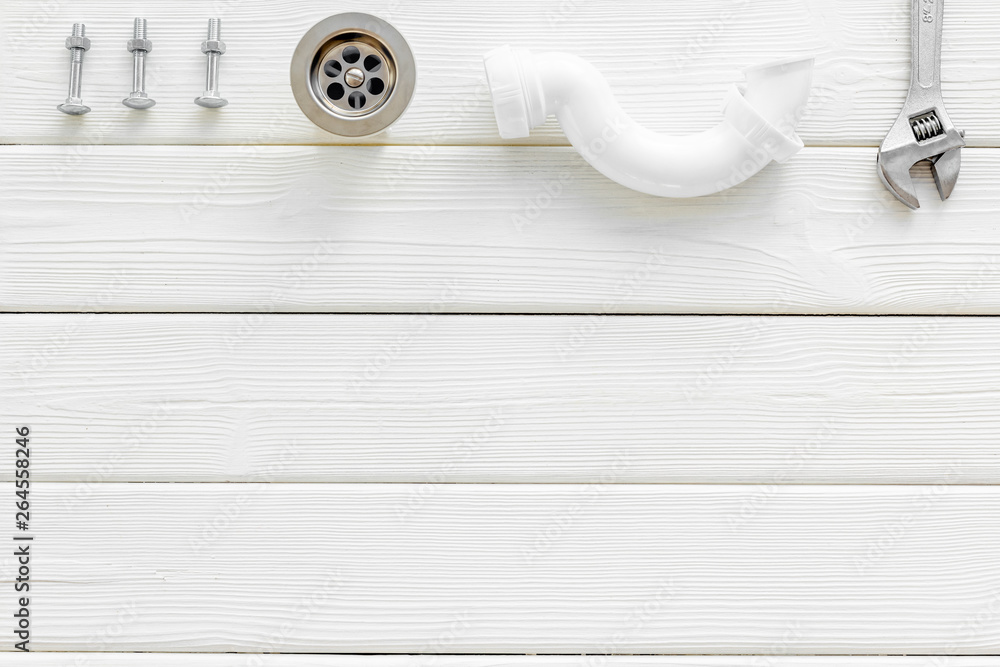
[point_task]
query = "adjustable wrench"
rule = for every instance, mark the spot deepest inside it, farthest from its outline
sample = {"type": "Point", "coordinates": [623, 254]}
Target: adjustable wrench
{"type": "Point", "coordinates": [923, 130]}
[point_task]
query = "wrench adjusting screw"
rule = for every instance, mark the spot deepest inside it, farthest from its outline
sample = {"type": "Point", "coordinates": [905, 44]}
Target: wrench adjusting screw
{"type": "Point", "coordinates": [78, 43]}
{"type": "Point", "coordinates": [139, 46]}
{"type": "Point", "coordinates": [213, 47]}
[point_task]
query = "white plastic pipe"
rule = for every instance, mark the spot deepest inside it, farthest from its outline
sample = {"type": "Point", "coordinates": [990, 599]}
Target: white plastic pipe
{"type": "Point", "coordinates": [758, 122]}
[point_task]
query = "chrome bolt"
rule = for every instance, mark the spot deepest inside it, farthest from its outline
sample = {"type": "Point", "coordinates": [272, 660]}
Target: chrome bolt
{"type": "Point", "coordinates": [354, 77]}
{"type": "Point", "coordinates": [139, 46]}
{"type": "Point", "coordinates": [78, 44]}
{"type": "Point", "coordinates": [213, 47]}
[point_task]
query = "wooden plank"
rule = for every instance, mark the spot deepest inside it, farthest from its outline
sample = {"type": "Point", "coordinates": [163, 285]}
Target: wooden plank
{"type": "Point", "coordinates": [515, 569]}
{"type": "Point", "coordinates": [437, 660]}
{"type": "Point", "coordinates": [464, 229]}
{"type": "Point", "coordinates": [670, 64]}
{"type": "Point", "coordinates": [438, 399]}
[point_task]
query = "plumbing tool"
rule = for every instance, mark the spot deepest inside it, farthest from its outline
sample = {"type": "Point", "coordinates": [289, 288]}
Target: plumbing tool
{"type": "Point", "coordinates": [353, 74]}
{"type": "Point", "coordinates": [213, 47]}
{"type": "Point", "coordinates": [78, 43]}
{"type": "Point", "coordinates": [139, 46]}
{"type": "Point", "coordinates": [923, 130]}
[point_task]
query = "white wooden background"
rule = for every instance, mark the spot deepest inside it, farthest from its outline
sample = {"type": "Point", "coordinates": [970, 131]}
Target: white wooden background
{"type": "Point", "coordinates": [289, 396]}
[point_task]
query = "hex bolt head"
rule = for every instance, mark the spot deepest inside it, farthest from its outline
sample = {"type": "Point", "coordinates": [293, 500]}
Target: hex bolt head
{"type": "Point", "coordinates": [213, 45]}
{"type": "Point", "coordinates": [213, 48]}
{"type": "Point", "coordinates": [139, 46]}
{"type": "Point", "coordinates": [74, 42]}
{"type": "Point", "coordinates": [78, 44]}
{"type": "Point", "coordinates": [134, 45]}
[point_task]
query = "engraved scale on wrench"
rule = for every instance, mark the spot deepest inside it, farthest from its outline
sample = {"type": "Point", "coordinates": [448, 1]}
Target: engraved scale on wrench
{"type": "Point", "coordinates": [923, 130]}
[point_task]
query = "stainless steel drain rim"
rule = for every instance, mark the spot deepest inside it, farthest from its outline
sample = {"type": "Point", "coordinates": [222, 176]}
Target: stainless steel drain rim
{"type": "Point", "coordinates": [357, 108]}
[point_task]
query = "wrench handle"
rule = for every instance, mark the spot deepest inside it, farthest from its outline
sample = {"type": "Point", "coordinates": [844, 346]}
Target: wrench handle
{"type": "Point", "coordinates": [925, 40]}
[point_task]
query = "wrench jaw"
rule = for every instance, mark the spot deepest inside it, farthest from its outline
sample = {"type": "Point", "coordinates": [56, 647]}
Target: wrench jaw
{"type": "Point", "coordinates": [895, 175]}
{"type": "Point", "coordinates": [901, 150]}
{"type": "Point", "coordinates": [945, 169]}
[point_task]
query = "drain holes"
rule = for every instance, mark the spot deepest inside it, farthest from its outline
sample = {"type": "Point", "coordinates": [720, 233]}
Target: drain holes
{"type": "Point", "coordinates": [356, 100]}
{"type": "Point", "coordinates": [354, 77]}
{"type": "Point", "coordinates": [351, 54]}
{"type": "Point", "coordinates": [332, 69]}
{"type": "Point", "coordinates": [335, 91]}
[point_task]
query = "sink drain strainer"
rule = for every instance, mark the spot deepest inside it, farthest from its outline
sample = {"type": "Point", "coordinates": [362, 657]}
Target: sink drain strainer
{"type": "Point", "coordinates": [353, 74]}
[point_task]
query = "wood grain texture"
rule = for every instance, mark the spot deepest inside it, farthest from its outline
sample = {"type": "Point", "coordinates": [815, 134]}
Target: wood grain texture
{"type": "Point", "coordinates": [438, 660]}
{"type": "Point", "coordinates": [670, 64]}
{"type": "Point", "coordinates": [475, 229]}
{"type": "Point", "coordinates": [504, 568]}
{"type": "Point", "coordinates": [434, 400]}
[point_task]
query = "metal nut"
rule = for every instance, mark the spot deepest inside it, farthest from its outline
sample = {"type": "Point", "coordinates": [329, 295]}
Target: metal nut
{"type": "Point", "coordinates": [139, 45]}
{"type": "Point", "coordinates": [216, 45]}
{"type": "Point", "coordinates": [78, 43]}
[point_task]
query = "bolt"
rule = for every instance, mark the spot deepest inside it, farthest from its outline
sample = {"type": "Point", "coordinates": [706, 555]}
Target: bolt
{"type": "Point", "coordinates": [78, 44]}
{"type": "Point", "coordinates": [213, 47]}
{"type": "Point", "coordinates": [139, 46]}
{"type": "Point", "coordinates": [354, 77]}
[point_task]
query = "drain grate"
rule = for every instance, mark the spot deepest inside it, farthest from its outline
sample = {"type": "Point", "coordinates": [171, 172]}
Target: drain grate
{"type": "Point", "coordinates": [356, 76]}
{"type": "Point", "coordinates": [353, 74]}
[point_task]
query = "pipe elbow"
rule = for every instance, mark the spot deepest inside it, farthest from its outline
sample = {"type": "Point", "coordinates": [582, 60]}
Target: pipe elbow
{"type": "Point", "coordinates": [758, 124]}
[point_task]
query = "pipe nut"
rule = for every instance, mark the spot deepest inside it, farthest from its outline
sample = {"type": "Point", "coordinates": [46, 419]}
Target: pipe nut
{"type": "Point", "coordinates": [139, 45]}
{"type": "Point", "coordinates": [78, 43]}
{"type": "Point", "coordinates": [213, 45]}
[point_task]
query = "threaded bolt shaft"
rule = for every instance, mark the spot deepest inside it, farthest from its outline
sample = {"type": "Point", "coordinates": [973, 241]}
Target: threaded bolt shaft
{"type": "Point", "coordinates": [79, 30]}
{"type": "Point", "coordinates": [212, 74]}
{"type": "Point", "coordinates": [213, 49]}
{"type": "Point", "coordinates": [77, 43]}
{"type": "Point", "coordinates": [74, 106]}
{"type": "Point", "coordinates": [140, 46]}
